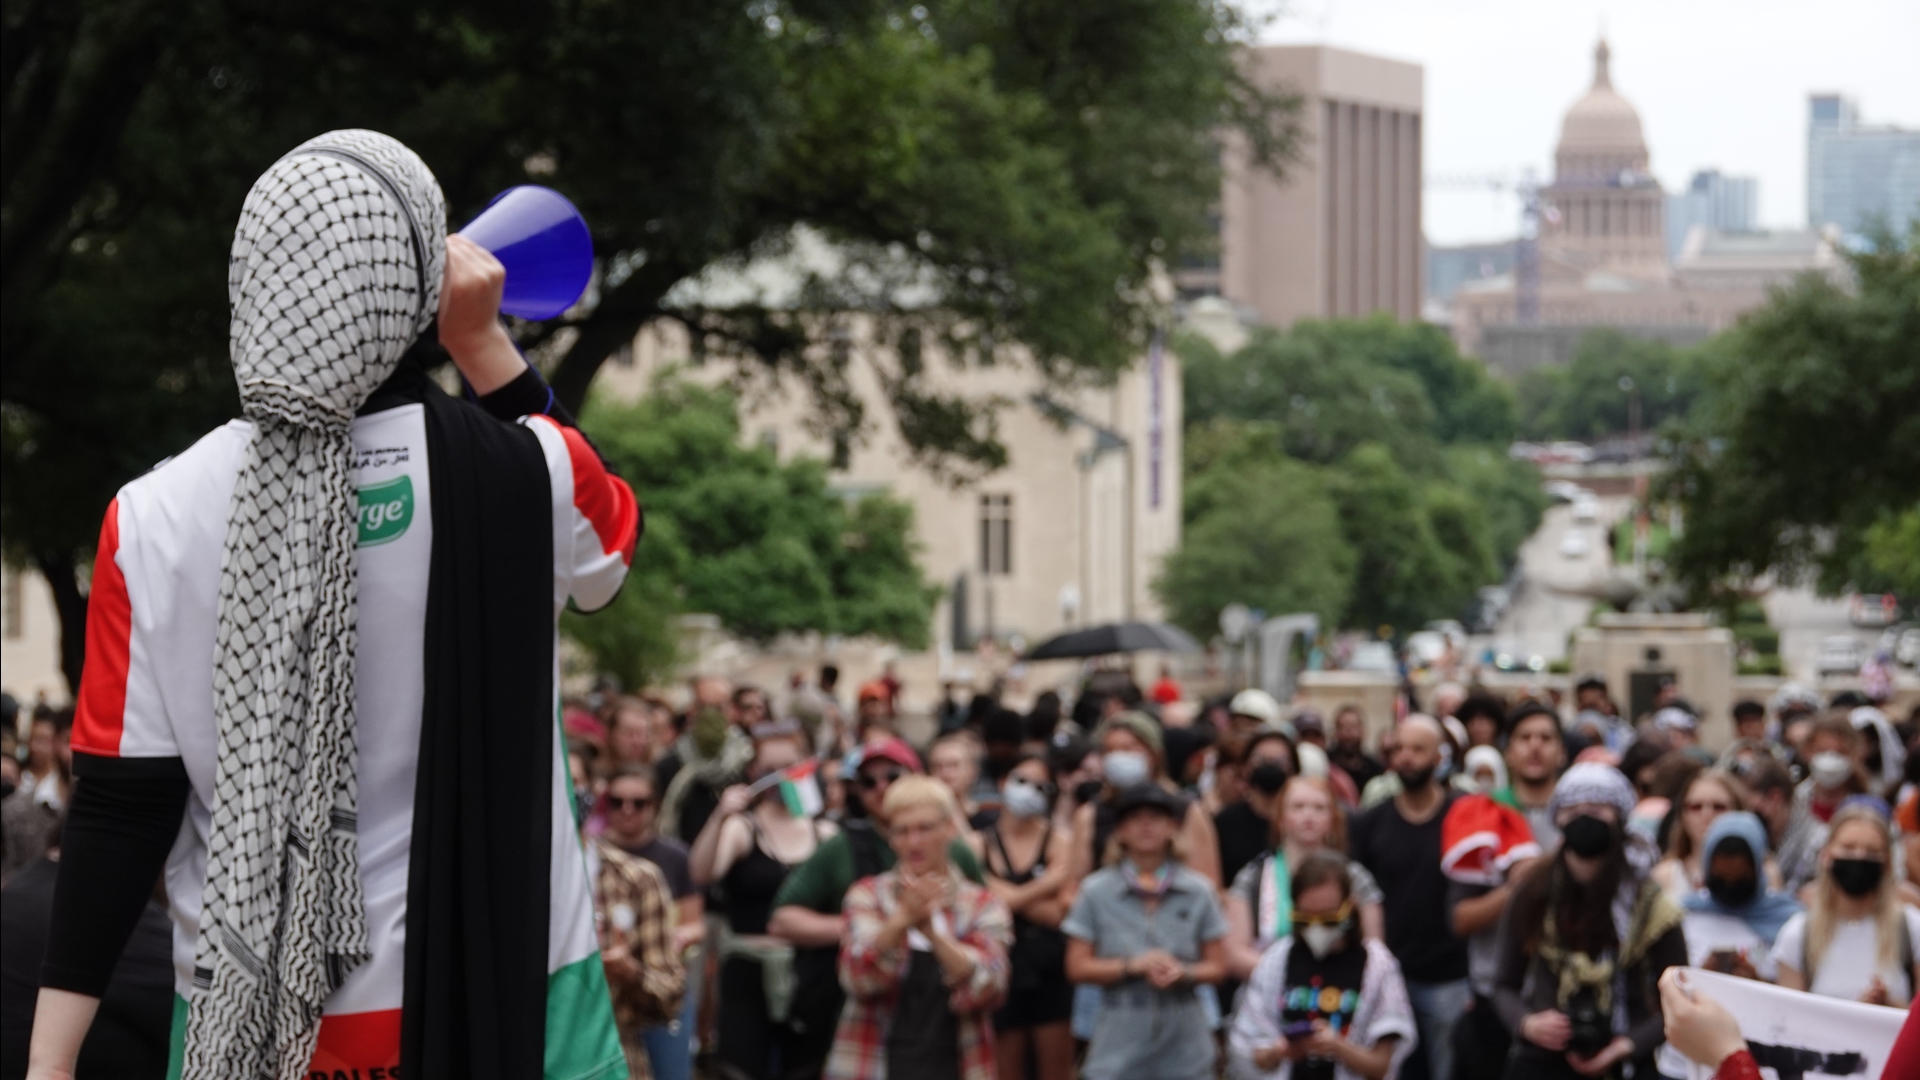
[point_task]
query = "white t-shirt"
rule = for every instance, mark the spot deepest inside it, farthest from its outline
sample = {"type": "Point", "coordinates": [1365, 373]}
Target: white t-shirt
{"type": "Point", "coordinates": [148, 689]}
{"type": "Point", "coordinates": [1708, 932]}
{"type": "Point", "coordinates": [1849, 962]}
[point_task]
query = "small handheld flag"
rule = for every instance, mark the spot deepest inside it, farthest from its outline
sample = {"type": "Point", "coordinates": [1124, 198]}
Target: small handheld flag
{"type": "Point", "coordinates": [799, 789]}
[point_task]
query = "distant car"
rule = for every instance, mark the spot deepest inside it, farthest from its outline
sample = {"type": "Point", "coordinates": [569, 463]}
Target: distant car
{"type": "Point", "coordinates": [1575, 545]}
{"type": "Point", "coordinates": [1577, 453]}
{"type": "Point", "coordinates": [1373, 656]}
{"type": "Point", "coordinates": [1450, 629]}
{"type": "Point", "coordinates": [1507, 656]}
{"type": "Point", "coordinates": [1562, 490]}
{"type": "Point", "coordinates": [1586, 508]}
{"type": "Point", "coordinates": [1907, 651]}
{"type": "Point", "coordinates": [1839, 655]}
{"type": "Point", "coordinates": [1425, 648]}
{"type": "Point", "coordinates": [1870, 611]}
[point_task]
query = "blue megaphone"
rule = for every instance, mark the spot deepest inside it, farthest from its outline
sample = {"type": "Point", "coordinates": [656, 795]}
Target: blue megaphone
{"type": "Point", "coordinates": [543, 243]}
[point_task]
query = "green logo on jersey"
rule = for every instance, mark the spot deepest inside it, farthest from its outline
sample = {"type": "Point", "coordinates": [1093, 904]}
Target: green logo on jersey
{"type": "Point", "coordinates": [385, 511]}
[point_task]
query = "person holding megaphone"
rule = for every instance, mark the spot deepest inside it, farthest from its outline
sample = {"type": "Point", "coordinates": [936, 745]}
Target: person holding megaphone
{"type": "Point", "coordinates": [321, 654]}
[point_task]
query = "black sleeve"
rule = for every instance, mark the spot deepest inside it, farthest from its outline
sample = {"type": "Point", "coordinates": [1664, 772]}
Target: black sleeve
{"type": "Point", "coordinates": [121, 822]}
{"type": "Point", "coordinates": [1669, 951]}
{"type": "Point", "coordinates": [527, 395]}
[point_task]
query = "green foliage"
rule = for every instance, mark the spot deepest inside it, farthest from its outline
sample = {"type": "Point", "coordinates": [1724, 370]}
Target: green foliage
{"type": "Point", "coordinates": [1805, 454]}
{"type": "Point", "coordinates": [994, 172]}
{"type": "Point", "coordinates": [1892, 554]}
{"type": "Point", "coordinates": [763, 544]}
{"type": "Point", "coordinates": [1584, 399]}
{"type": "Point", "coordinates": [1352, 468]}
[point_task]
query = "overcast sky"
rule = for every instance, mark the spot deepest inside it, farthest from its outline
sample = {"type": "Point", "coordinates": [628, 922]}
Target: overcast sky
{"type": "Point", "coordinates": [1718, 83]}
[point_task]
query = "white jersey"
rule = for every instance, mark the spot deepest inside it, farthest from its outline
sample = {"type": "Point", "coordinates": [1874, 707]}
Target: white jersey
{"type": "Point", "coordinates": [148, 692]}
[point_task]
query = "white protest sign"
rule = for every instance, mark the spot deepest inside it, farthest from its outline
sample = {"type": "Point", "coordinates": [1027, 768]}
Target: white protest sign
{"type": "Point", "coordinates": [1799, 1036]}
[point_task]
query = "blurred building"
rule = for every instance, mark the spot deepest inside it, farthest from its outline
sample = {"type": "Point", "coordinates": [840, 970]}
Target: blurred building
{"type": "Point", "coordinates": [1069, 533]}
{"type": "Point", "coordinates": [29, 638]}
{"type": "Point", "coordinates": [1712, 200]}
{"type": "Point", "coordinates": [1857, 172]}
{"type": "Point", "coordinates": [1451, 266]}
{"type": "Point", "coordinates": [1338, 234]}
{"type": "Point", "coordinates": [1603, 257]}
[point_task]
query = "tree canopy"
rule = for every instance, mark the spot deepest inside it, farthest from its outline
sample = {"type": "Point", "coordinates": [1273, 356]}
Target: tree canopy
{"type": "Point", "coordinates": [993, 172]}
{"type": "Point", "coordinates": [1353, 468]}
{"type": "Point", "coordinates": [1803, 457]}
{"type": "Point", "coordinates": [1586, 399]}
{"type": "Point", "coordinates": [733, 531]}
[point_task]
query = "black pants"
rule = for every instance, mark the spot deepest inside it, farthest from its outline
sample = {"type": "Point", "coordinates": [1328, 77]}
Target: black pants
{"type": "Point", "coordinates": [752, 1046]}
{"type": "Point", "coordinates": [1480, 1043]}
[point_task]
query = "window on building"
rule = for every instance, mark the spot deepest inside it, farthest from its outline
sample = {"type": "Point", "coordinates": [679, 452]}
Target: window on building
{"type": "Point", "coordinates": [996, 535]}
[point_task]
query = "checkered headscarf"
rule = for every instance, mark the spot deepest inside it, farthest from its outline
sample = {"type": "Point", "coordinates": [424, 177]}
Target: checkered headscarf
{"type": "Point", "coordinates": [335, 270]}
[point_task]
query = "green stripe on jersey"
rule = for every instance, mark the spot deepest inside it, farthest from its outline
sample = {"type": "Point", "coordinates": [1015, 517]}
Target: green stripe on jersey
{"type": "Point", "coordinates": [177, 1039]}
{"type": "Point", "coordinates": [582, 1041]}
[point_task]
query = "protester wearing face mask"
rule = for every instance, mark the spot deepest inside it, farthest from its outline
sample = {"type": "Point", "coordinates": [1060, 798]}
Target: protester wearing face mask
{"type": "Point", "coordinates": [1585, 940]}
{"type": "Point", "coordinates": [1310, 823]}
{"type": "Point", "coordinates": [1027, 869]}
{"type": "Point", "coordinates": [1245, 826]}
{"type": "Point", "coordinates": [1326, 1002]}
{"type": "Point", "coordinates": [1732, 923]}
{"type": "Point", "coordinates": [1832, 754]}
{"type": "Point", "coordinates": [1856, 940]}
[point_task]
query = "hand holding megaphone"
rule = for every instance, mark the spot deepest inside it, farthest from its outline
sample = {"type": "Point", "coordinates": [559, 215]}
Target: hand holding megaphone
{"type": "Point", "coordinates": [543, 244]}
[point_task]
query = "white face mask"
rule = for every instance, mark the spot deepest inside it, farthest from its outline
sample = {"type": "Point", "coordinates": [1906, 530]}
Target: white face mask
{"type": "Point", "coordinates": [1322, 938]}
{"type": "Point", "coordinates": [1023, 799]}
{"type": "Point", "coordinates": [1830, 769]}
{"type": "Point", "coordinates": [1125, 768]}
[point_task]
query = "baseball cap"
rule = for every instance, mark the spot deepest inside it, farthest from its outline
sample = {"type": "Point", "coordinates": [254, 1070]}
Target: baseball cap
{"type": "Point", "coordinates": [1149, 797]}
{"type": "Point", "coordinates": [887, 748]}
{"type": "Point", "coordinates": [1256, 703]}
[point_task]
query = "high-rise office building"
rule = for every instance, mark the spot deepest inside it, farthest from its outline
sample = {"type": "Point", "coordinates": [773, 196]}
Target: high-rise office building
{"type": "Point", "coordinates": [1714, 201]}
{"type": "Point", "coordinates": [1858, 173]}
{"type": "Point", "coordinates": [1338, 234]}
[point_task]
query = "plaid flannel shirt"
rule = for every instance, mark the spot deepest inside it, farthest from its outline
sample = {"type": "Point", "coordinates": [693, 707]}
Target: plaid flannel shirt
{"type": "Point", "coordinates": [872, 976]}
{"type": "Point", "coordinates": [632, 906]}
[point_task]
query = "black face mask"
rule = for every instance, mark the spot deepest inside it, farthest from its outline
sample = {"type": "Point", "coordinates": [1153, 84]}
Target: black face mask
{"type": "Point", "coordinates": [1417, 779]}
{"type": "Point", "coordinates": [1588, 836]}
{"type": "Point", "coordinates": [1737, 893]}
{"type": "Point", "coordinates": [1858, 877]}
{"type": "Point", "coordinates": [1268, 777]}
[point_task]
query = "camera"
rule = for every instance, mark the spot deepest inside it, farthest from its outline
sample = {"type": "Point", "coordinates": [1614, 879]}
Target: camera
{"type": "Point", "coordinates": [1592, 1029]}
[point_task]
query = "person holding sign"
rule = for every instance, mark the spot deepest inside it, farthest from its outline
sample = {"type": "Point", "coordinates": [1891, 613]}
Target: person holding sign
{"type": "Point", "coordinates": [749, 845]}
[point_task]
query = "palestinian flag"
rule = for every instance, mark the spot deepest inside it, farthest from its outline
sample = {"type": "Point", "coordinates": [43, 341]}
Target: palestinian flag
{"type": "Point", "coordinates": [797, 786]}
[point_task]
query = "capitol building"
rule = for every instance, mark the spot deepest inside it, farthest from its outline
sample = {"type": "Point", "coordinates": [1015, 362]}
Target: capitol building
{"type": "Point", "coordinates": [1601, 256]}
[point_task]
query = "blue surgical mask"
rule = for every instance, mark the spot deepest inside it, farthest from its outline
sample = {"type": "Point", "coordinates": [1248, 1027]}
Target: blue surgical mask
{"type": "Point", "coordinates": [1023, 799]}
{"type": "Point", "coordinates": [1125, 768]}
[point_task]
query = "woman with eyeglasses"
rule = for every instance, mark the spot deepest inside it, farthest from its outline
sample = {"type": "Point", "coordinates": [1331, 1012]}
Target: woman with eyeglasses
{"type": "Point", "coordinates": [748, 847]}
{"type": "Point", "coordinates": [1856, 939]}
{"type": "Point", "coordinates": [1027, 869]}
{"type": "Point", "coordinates": [1707, 796]}
{"type": "Point", "coordinates": [1326, 1001]}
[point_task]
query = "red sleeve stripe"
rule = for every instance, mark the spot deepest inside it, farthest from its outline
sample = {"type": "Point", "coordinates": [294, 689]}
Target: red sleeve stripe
{"type": "Point", "coordinates": [100, 713]}
{"type": "Point", "coordinates": [603, 499]}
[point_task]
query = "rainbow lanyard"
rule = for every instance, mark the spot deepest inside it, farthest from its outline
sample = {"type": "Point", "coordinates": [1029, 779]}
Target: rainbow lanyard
{"type": "Point", "coordinates": [1149, 888]}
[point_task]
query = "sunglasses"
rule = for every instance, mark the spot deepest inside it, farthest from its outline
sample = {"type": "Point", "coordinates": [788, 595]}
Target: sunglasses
{"type": "Point", "coordinates": [640, 803]}
{"type": "Point", "coordinates": [1332, 918]}
{"type": "Point", "coordinates": [873, 781]}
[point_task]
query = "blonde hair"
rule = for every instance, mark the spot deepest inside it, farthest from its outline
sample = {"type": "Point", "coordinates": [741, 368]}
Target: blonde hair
{"type": "Point", "coordinates": [1336, 828]}
{"type": "Point", "coordinates": [911, 791]}
{"type": "Point", "coordinates": [1821, 914]}
{"type": "Point", "coordinates": [1680, 845]}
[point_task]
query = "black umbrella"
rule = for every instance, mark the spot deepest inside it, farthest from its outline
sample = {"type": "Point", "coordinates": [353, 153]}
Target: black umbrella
{"type": "Point", "coordinates": [1115, 638]}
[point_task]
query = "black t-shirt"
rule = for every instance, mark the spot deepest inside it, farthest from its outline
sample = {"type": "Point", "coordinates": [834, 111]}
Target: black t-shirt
{"type": "Point", "coordinates": [671, 857]}
{"type": "Point", "coordinates": [1244, 837]}
{"type": "Point", "coordinates": [1405, 860]}
{"type": "Point", "coordinates": [1323, 988]}
{"type": "Point", "coordinates": [1359, 766]}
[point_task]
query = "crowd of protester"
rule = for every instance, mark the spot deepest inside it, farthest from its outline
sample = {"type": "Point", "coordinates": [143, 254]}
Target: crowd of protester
{"type": "Point", "coordinates": [1130, 884]}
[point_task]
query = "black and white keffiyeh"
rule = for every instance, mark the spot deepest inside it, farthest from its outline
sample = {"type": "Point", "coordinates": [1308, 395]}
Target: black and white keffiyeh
{"type": "Point", "coordinates": [335, 270]}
